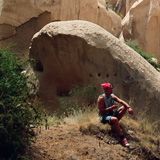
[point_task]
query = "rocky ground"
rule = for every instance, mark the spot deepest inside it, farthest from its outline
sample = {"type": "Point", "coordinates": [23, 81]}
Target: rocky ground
{"type": "Point", "coordinates": [74, 141]}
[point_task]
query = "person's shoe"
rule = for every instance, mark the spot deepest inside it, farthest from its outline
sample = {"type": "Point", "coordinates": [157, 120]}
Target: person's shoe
{"type": "Point", "coordinates": [124, 142]}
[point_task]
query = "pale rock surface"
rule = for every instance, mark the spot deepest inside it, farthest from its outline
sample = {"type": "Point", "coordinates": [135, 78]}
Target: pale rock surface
{"type": "Point", "coordinates": [103, 2]}
{"type": "Point", "coordinates": [142, 23]}
{"type": "Point", "coordinates": [129, 4]}
{"type": "Point", "coordinates": [81, 52]}
{"type": "Point", "coordinates": [20, 19]}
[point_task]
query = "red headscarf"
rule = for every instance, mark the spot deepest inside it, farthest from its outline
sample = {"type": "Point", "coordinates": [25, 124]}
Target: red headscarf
{"type": "Point", "coordinates": [106, 85]}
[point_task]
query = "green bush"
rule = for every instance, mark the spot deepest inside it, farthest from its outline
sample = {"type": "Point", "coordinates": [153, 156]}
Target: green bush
{"type": "Point", "coordinates": [16, 112]}
{"type": "Point", "coordinates": [88, 92]}
{"type": "Point", "coordinates": [77, 97]}
{"type": "Point", "coordinates": [134, 45]}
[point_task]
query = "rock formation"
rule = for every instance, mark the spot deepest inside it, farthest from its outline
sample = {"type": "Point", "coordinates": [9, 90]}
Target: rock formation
{"type": "Point", "coordinates": [142, 23]}
{"type": "Point", "coordinates": [80, 52]}
{"type": "Point", "coordinates": [20, 19]}
{"type": "Point", "coordinates": [121, 6]}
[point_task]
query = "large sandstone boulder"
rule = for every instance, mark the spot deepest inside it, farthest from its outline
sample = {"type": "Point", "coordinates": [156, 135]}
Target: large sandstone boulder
{"type": "Point", "coordinates": [21, 19]}
{"type": "Point", "coordinates": [142, 23]}
{"type": "Point", "coordinates": [79, 52]}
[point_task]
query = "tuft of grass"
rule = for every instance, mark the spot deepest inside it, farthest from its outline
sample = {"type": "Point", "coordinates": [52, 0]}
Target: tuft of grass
{"type": "Point", "coordinates": [83, 116]}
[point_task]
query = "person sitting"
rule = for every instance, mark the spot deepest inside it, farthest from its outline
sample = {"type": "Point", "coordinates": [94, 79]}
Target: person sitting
{"type": "Point", "coordinates": [110, 113]}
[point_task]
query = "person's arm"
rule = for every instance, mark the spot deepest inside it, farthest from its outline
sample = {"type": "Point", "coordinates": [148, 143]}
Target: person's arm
{"type": "Point", "coordinates": [121, 102]}
{"type": "Point", "coordinates": [101, 106]}
{"type": "Point", "coordinates": [124, 104]}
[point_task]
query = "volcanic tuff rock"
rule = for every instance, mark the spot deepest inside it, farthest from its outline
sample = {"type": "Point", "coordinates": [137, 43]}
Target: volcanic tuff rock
{"type": "Point", "coordinates": [21, 19]}
{"type": "Point", "coordinates": [121, 6]}
{"type": "Point", "coordinates": [80, 52]}
{"type": "Point", "coordinates": [142, 23]}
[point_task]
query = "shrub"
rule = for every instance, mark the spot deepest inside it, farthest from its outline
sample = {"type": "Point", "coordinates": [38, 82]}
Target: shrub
{"type": "Point", "coordinates": [109, 6]}
{"type": "Point", "coordinates": [88, 91]}
{"type": "Point", "coordinates": [16, 112]}
{"type": "Point", "coordinates": [134, 45]}
{"type": "Point", "coordinates": [77, 97]}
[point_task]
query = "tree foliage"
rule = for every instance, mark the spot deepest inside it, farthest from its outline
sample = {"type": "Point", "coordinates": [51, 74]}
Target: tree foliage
{"type": "Point", "coordinates": [17, 113]}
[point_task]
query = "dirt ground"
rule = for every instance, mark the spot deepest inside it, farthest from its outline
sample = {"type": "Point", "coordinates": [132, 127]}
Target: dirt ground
{"type": "Point", "coordinates": [86, 142]}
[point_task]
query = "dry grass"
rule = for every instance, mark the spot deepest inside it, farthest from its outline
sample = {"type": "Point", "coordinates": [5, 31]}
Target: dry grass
{"type": "Point", "coordinates": [91, 116]}
{"type": "Point", "coordinates": [145, 133]}
{"type": "Point", "coordinates": [80, 117]}
{"type": "Point", "coordinates": [140, 133]}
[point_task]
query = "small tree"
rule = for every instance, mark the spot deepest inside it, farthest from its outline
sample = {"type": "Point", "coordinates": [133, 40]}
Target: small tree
{"type": "Point", "coordinates": [16, 112]}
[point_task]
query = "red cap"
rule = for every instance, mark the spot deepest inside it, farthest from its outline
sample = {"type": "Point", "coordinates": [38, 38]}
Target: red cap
{"type": "Point", "coordinates": [106, 85]}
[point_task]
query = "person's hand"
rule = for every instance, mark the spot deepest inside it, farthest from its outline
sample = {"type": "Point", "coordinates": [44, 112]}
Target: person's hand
{"type": "Point", "coordinates": [114, 106]}
{"type": "Point", "coordinates": [130, 111]}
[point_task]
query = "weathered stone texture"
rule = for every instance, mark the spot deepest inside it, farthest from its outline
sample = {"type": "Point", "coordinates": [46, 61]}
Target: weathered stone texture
{"type": "Point", "coordinates": [142, 23]}
{"type": "Point", "coordinates": [121, 6]}
{"type": "Point", "coordinates": [80, 52]}
{"type": "Point", "coordinates": [32, 15]}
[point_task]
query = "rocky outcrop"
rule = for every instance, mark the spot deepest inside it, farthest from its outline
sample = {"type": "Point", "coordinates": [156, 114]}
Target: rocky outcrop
{"type": "Point", "coordinates": [20, 19]}
{"type": "Point", "coordinates": [142, 23]}
{"type": "Point", "coordinates": [79, 52]}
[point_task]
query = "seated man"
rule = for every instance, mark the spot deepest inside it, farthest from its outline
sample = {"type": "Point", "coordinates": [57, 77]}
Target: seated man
{"type": "Point", "coordinates": [109, 112]}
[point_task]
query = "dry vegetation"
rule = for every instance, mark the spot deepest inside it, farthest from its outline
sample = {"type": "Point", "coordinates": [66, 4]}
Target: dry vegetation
{"type": "Point", "coordinates": [81, 136]}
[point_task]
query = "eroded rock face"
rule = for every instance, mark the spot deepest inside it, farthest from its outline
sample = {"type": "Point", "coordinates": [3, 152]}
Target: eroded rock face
{"type": "Point", "coordinates": [121, 6]}
{"type": "Point", "coordinates": [80, 52]}
{"type": "Point", "coordinates": [21, 19]}
{"type": "Point", "coordinates": [142, 23]}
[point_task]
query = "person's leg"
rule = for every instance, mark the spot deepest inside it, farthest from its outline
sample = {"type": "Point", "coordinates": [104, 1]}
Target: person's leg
{"type": "Point", "coordinates": [121, 111]}
{"type": "Point", "coordinates": [115, 122]}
